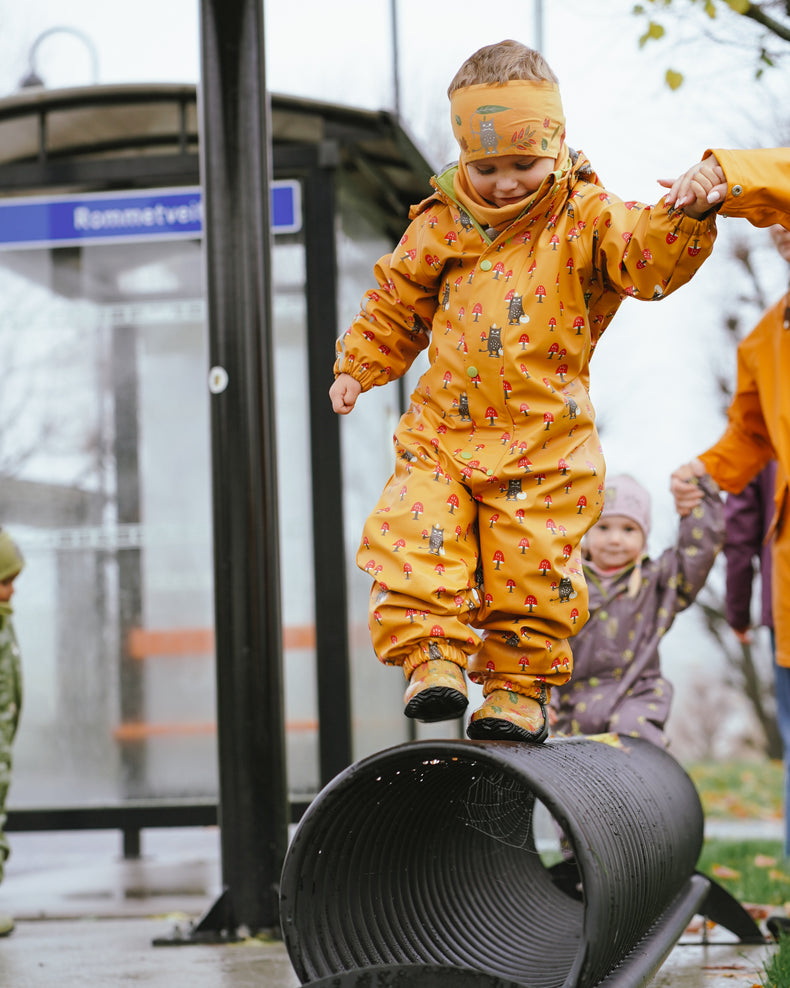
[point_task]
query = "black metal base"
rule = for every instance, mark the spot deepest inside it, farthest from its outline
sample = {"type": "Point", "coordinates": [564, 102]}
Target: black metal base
{"type": "Point", "coordinates": [216, 926]}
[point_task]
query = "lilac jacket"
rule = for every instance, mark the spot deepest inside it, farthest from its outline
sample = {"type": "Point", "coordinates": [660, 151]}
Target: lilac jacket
{"type": "Point", "coordinates": [617, 684]}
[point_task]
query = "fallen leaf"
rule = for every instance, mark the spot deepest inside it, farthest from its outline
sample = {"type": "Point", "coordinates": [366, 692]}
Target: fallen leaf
{"type": "Point", "coordinates": [724, 871]}
{"type": "Point", "coordinates": [757, 911]}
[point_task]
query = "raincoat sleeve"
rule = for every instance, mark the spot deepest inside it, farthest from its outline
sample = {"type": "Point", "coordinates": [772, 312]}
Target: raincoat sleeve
{"type": "Point", "coordinates": [758, 184]}
{"type": "Point", "coordinates": [745, 446]}
{"type": "Point", "coordinates": [648, 251]}
{"type": "Point", "coordinates": [700, 537]}
{"type": "Point", "coordinates": [394, 324]}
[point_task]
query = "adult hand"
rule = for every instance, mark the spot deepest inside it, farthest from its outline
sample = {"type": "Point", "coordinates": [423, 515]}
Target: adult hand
{"type": "Point", "coordinates": [700, 187]}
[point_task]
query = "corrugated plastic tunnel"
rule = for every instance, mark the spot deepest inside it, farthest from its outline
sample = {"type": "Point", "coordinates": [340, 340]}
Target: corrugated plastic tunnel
{"type": "Point", "coordinates": [424, 856]}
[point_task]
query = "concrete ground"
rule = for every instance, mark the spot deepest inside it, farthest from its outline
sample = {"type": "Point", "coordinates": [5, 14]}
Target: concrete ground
{"type": "Point", "coordinates": [87, 917]}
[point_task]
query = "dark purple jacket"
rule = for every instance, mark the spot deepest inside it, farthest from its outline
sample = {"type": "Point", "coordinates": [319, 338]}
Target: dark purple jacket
{"type": "Point", "coordinates": [747, 518]}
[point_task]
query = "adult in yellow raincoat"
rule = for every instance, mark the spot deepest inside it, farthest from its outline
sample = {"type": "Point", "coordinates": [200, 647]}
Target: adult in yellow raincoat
{"type": "Point", "coordinates": [508, 275]}
{"type": "Point", "coordinates": [758, 428]}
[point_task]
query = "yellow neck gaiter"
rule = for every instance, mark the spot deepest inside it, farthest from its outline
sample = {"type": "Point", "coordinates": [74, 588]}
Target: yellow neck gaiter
{"type": "Point", "coordinates": [497, 217]}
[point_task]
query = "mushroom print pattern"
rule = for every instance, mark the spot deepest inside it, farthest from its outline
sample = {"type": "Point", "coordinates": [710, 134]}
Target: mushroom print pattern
{"type": "Point", "coordinates": [473, 546]}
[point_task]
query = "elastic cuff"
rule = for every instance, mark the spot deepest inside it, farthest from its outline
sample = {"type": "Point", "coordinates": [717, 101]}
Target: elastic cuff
{"type": "Point", "coordinates": [529, 686]}
{"type": "Point", "coordinates": [430, 650]}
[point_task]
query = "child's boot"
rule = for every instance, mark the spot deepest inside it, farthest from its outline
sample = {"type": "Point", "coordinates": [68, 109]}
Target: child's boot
{"type": "Point", "coordinates": [506, 716]}
{"type": "Point", "coordinates": [436, 691]}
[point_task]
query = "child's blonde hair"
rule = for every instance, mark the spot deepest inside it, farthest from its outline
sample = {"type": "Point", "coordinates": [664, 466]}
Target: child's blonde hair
{"type": "Point", "coordinates": [497, 64]}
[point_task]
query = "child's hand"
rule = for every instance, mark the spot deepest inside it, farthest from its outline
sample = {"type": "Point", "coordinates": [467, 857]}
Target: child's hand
{"type": "Point", "coordinates": [344, 393]}
{"type": "Point", "coordinates": [697, 189]}
{"type": "Point", "coordinates": [685, 490]}
{"type": "Point", "coordinates": [744, 635]}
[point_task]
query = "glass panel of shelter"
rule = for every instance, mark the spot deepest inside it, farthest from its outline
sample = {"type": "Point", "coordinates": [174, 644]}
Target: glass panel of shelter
{"type": "Point", "coordinates": [105, 482]}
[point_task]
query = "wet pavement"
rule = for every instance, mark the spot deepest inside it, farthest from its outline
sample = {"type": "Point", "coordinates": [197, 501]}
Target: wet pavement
{"type": "Point", "coordinates": [86, 916]}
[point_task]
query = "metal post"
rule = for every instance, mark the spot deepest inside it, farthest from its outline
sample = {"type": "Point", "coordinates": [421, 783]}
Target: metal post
{"type": "Point", "coordinates": [125, 385]}
{"type": "Point", "coordinates": [331, 622]}
{"type": "Point", "coordinates": [395, 57]}
{"type": "Point", "coordinates": [235, 164]}
{"type": "Point", "coordinates": [538, 11]}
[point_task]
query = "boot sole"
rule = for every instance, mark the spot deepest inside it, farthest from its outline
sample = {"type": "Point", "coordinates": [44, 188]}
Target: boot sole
{"type": "Point", "coordinates": [498, 729]}
{"type": "Point", "coordinates": [436, 703]}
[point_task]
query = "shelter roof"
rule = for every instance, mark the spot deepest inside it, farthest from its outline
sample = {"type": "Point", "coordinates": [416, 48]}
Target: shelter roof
{"type": "Point", "coordinates": [109, 136]}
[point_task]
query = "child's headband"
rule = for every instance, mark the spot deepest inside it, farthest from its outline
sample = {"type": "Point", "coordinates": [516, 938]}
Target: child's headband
{"type": "Point", "coordinates": [519, 117]}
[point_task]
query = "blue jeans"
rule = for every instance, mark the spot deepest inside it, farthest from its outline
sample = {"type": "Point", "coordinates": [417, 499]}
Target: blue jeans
{"type": "Point", "coordinates": [782, 686]}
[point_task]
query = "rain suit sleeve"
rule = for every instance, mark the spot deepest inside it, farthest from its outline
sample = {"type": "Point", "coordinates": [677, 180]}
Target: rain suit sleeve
{"type": "Point", "coordinates": [647, 252]}
{"type": "Point", "coordinates": [700, 537]}
{"type": "Point", "coordinates": [758, 183]}
{"type": "Point", "coordinates": [394, 324]}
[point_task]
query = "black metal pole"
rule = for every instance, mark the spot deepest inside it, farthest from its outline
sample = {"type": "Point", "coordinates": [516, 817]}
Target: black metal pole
{"type": "Point", "coordinates": [331, 618]}
{"type": "Point", "coordinates": [235, 173]}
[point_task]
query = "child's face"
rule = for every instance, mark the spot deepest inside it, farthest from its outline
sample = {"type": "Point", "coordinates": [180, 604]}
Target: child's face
{"type": "Point", "coordinates": [6, 590]}
{"type": "Point", "coordinates": [614, 542]}
{"type": "Point", "coordinates": [504, 179]}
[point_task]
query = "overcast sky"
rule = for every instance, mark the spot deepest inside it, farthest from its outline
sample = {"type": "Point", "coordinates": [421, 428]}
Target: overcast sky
{"type": "Point", "coordinates": [651, 381]}
{"type": "Point", "coordinates": [653, 374]}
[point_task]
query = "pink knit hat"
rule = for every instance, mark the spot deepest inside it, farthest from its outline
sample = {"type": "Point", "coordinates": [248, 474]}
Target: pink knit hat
{"type": "Point", "coordinates": [624, 496]}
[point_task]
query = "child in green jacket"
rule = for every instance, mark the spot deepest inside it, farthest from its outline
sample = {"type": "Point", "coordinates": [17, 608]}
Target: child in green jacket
{"type": "Point", "coordinates": [11, 565]}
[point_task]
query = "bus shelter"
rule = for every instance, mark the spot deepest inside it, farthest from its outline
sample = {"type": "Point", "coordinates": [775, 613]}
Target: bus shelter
{"type": "Point", "coordinates": [106, 473]}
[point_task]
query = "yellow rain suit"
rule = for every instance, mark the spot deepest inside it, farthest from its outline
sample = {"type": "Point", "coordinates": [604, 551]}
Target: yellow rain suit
{"type": "Point", "coordinates": [473, 546]}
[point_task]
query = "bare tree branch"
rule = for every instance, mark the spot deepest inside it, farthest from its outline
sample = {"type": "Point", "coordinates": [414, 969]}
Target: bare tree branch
{"type": "Point", "coordinates": [756, 13]}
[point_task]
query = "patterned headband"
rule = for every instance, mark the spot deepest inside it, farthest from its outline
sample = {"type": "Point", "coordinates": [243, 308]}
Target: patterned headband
{"type": "Point", "coordinates": [519, 117]}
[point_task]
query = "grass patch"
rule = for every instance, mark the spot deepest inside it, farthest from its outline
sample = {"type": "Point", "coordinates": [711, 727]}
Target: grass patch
{"type": "Point", "coordinates": [752, 870]}
{"type": "Point", "coordinates": [776, 970]}
{"type": "Point", "coordinates": [740, 790]}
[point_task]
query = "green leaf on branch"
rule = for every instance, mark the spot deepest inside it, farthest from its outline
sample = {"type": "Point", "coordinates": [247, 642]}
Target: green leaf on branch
{"type": "Point", "coordinates": [673, 79]}
{"type": "Point", "coordinates": [739, 6]}
{"type": "Point", "coordinates": [653, 33]}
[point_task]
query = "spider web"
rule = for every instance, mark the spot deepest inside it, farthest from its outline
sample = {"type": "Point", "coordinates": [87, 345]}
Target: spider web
{"type": "Point", "coordinates": [499, 807]}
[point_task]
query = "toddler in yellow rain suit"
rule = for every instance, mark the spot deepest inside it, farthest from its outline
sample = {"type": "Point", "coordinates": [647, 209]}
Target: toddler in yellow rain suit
{"type": "Point", "coordinates": [508, 274]}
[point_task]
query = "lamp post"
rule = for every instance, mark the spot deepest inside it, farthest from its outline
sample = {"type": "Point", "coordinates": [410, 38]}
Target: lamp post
{"type": "Point", "coordinates": [32, 78]}
{"type": "Point", "coordinates": [538, 11]}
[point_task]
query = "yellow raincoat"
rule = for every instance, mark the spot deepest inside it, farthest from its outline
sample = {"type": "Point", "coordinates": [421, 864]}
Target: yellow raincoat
{"type": "Point", "coordinates": [473, 545]}
{"type": "Point", "coordinates": [759, 416]}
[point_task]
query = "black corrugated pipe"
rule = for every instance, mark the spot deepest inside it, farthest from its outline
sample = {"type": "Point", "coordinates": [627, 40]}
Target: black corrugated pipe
{"type": "Point", "coordinates": [424, 856]}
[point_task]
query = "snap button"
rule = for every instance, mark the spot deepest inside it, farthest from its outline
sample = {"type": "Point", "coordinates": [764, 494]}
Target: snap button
{"type": "Point", "coordinates": [736, 191]}
{"type": "Point", "coordinates": [485, 265]}
{"type": "Point", "coordinates": [466, 455]}
{"type": "Point", "coordinates": [471, 371]}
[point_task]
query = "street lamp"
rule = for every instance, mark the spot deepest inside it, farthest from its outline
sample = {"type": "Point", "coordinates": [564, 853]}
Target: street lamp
{"type": "Point", "coordinates": [32, 78]}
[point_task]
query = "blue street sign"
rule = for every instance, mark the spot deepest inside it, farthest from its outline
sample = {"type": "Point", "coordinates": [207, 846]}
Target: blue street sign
{"type": "Point", "coordinates": [161, 214]}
